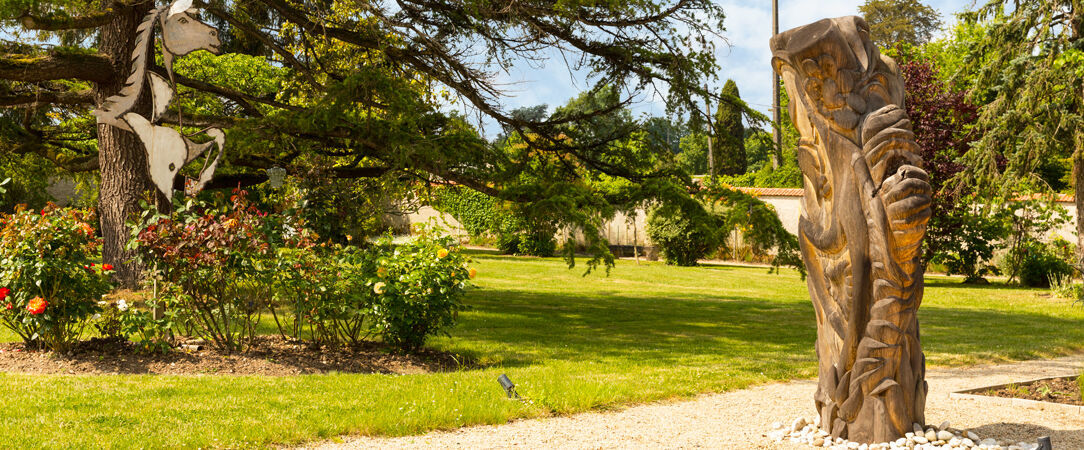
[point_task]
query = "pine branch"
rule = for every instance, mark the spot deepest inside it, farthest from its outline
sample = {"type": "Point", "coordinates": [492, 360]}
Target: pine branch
{"type": "Point", "coordinates": [31, 68]}
{"type": "Point", "coordinates": [48, 98]}
{"type": "Point", "coordinates": [55, 22]}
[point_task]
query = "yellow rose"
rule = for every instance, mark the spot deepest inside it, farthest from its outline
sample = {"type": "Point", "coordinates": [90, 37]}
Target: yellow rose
{"type": "Point", "coordinates": [442, 253]}
{"type": "Point", "coordinates": [379, 288]}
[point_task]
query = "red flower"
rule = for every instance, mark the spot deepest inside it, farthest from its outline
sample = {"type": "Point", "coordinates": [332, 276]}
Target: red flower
{"type": "Point", "coordinates": [4, 293]}
{"type": "Point", "coordinates": [10, 306]}
{"type": "Point", "coordinates": [37, 305]}
{"type": "Point", "coordinates": [107, 267]}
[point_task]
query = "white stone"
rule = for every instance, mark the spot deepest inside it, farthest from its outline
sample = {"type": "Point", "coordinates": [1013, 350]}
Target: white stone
{"type": "Point", "coordinates": [944, 425]}
{"type": "Point", "coordinates": [971, 435]}
{"type": "Point", "coordinates": [988, 441]}
{"type": "Point", "coordinates": [931, 435]}
{"type": "Point", "coordinates": [818, 442]}
{"type": "Point", "coordinates": [944, 435]}
{"type": "Point", "coordinates": [921, 439]}
{"type": "Point", "coordinates": [917, 427]}
{"type": "Point", "coordinates": [909, 435]}
{"type": "Point", "coordinates": [967, 442]}
{"type": "Point", "coordinates": [777, 425]}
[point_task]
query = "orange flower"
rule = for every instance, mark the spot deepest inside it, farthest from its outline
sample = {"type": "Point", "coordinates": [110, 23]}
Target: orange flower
{"type": "Point", "coordinates": [442, 253]}
{"type": "Point", "coordinates": [472, 273]}
{"type": "Point", "coordinates": [107, 267]}
{"type": "Point", "coordinates": [37, 305]}
{"type": "Point", "coordinates": [381, 272]}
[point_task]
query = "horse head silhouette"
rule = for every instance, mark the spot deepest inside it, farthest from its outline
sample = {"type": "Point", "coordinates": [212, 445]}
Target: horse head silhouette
{"type": "Point", "coordinates": [167, 150]}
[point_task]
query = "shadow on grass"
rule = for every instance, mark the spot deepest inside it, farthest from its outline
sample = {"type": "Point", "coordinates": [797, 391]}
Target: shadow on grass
{"type": "Point", "coordinates": [517, 328]}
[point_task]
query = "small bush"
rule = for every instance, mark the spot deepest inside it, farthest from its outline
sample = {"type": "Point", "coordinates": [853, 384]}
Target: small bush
{"type": "Point", "coordinates": [1041, 262]}
{"type": "Point", "coordinates": [216, 265]}
{"type": "Point", "coordinates": [418, 290]}
{"type": "Point", "coordinates": [49, 281]}
{"type": "Point", "coordinates": [684, 232]}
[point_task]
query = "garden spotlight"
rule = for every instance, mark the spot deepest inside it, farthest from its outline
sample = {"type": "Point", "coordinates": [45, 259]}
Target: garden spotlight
{"type": "Point", "coordinates": [508, 386]}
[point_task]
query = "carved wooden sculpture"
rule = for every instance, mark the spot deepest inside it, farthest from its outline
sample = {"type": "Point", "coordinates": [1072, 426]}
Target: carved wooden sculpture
{"type": "Point", "coordinates": [866, 205]}
{"type": "Point", "coordinates": [167, 150]}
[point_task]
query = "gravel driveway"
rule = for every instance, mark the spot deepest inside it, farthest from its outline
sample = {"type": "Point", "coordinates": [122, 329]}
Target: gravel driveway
{"type": "Point", "coordinates": [739, 419]}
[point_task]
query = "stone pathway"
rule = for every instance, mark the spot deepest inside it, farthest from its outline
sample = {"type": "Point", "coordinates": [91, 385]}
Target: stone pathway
{"type": "Point", "coordinates": [740, 419]}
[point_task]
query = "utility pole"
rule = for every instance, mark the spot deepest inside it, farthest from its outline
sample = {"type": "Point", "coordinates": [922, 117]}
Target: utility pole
{"type": "Point", "coordinates": [711, 135]}
{"type": "Point", "coordinates": [776, 134]}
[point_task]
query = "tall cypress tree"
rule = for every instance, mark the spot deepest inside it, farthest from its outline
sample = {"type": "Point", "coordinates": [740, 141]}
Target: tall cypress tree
{"type": "Point", "coordinates": [729, 138]}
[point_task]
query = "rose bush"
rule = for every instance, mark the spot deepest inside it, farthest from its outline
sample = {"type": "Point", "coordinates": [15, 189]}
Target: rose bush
{"type": "Point", "coordinates": [216, 264]}
{"type": "Point", "coordinates": [417, 289]}
{"type": "Point", "coordinates": [51, 283]}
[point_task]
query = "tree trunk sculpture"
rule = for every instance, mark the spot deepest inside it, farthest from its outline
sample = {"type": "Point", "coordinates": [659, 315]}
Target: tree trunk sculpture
{"type": "Point", "coordinates": [866, 205]}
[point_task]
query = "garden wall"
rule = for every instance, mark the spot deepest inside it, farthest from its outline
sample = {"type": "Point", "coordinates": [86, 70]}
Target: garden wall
{"type": "Point", "coordinates": [624, 232]}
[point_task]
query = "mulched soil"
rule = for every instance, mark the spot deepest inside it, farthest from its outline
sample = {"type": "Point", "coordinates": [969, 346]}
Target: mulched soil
{"type": "Point", "coordinates": [271, 356]}
{"type": "Point", "coordinates": [1058, 390]}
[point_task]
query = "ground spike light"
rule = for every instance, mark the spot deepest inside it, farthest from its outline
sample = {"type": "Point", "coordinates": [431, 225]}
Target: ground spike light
{"type": "Point", "coordinates": [509, 387]}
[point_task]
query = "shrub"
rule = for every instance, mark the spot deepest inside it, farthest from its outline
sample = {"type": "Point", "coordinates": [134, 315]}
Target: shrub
{"type": "Point", "coordinates": [481, 215]}
{"type": "Point", "coordinates": [216, 265]}
{"type": "Point", "coordinates": [323, 293]}
{"type": "Point", "coordinates": [685, 232]}
{"type": "Point", "coordinates": [966, 241]}
{"type": "Point", "coordinates": [50, 281]}
{"type": "Point", "coordinates": [1040, 263]}
{"type": "Point", "coordinates": [417, 289]}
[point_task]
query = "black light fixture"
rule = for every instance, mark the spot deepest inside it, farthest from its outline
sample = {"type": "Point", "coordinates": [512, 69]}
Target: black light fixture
{"type": "Point", "coordinates": [1044, 443]}
{"type": "Point", "coordinates": [509, 387]}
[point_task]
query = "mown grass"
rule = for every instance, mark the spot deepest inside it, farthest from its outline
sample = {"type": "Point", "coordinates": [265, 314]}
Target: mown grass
{"type": "Point", "coordinates": [571, 343]}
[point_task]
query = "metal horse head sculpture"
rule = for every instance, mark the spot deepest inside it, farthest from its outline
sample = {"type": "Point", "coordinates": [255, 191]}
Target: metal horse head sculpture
{"type": "Point", "coordinates": [167, 150]}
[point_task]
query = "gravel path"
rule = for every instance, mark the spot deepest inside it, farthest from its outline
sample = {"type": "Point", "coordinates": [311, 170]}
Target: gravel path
{"type": "Point", "coordinates": [739, 419]}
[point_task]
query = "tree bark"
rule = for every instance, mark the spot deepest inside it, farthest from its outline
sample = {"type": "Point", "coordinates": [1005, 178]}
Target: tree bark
{"type": "Point", "coordinates": [121, 158]}
{"type": "Point", "coordinates": [1078, 197]}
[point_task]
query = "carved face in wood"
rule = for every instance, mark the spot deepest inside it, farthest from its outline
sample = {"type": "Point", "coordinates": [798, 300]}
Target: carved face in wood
{"type": "Point", "coordinates": [183, 33]}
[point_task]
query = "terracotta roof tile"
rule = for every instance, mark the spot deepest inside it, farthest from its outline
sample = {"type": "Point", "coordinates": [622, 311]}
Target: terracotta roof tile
{"type": "Point", "coordinates": [771, 192]}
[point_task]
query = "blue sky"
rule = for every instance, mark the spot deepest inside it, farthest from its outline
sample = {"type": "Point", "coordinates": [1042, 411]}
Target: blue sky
{"type": "Point", "coordinates": [746, 59]}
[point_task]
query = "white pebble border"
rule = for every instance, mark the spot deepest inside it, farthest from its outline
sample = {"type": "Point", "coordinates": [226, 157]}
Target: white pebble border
{"type": "Point", "coordinates": [802, 431]}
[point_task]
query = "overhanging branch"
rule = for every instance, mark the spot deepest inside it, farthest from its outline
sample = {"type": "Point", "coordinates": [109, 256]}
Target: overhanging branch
{"type": "Point", "coordinates": [31, 68]}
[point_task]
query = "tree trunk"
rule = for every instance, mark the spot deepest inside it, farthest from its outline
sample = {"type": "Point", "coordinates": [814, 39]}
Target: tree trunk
{"type": "Point", "coordinates": [1078, 198]}
{"type": "Point", "coordinates": [121, 158]}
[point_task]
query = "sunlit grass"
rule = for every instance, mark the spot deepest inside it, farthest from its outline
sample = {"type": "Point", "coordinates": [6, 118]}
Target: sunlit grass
{"type": "Point", "coordinates": [571, 343]}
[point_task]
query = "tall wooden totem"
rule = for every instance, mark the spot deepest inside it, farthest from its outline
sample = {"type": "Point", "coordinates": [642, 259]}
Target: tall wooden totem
{"type": "Point", "coordinates": [867, 201]}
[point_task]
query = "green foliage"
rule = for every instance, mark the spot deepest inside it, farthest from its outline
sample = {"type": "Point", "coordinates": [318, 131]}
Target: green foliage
{"type": "Point", "coordinates": [729, 139]}
{"type": "Point", "coordinates": [482, 215]}
{"type": "Point", "coordinates": [693, 158]}
{"type": "Point", "coordinates": [50, 282]}
{"type": "Point", "coordinates": [786, 176]}
{"type": "Point", "coordinates": [1041, 263]}
{"type": "Point", "coordinates": [341, 295]}
{"type": "Point", "coordinates": [1029, 220]}
{"type": "Point", "coordinates": [900, 21]}
{"type": "Point", "coordinates": [216, 264]}
{"type": "Point", "coordinates": [969, 249]}
{"type": "Point", "coordinates": [692, 229]}
{"type": "Point", "coordinates": [685, 232]}
{"type": "Point", "coordinates": [320, 294]}
{"type": "Point", "coordinates": [1025, 59]}
{"type": "Point", "coordinates": [418, 290]}
{"type": "Point", "coordinates": [477, 212]}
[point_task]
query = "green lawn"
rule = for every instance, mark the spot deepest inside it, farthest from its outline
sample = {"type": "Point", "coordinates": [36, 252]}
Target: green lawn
{"type": "Point", "coordinates": [571, 343]}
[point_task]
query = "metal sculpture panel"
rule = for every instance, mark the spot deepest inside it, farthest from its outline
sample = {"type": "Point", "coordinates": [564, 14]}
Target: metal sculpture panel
{"type": "Point", "coordinates": [867, 201]}
{"type": "Point", "coordinates": [167, 150]}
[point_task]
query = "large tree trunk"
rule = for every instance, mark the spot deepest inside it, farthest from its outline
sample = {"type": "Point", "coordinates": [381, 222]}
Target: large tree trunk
{"type": "Point", "coordinates": [121, 158]}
